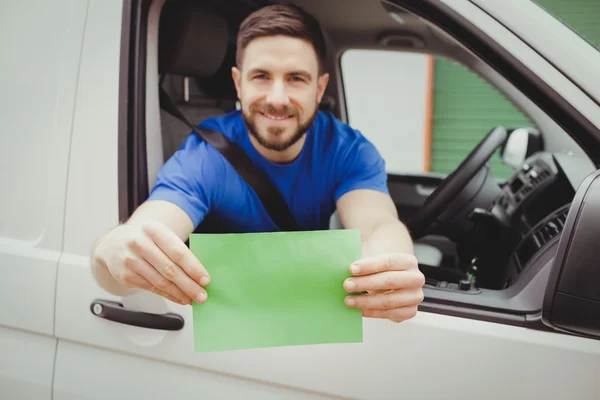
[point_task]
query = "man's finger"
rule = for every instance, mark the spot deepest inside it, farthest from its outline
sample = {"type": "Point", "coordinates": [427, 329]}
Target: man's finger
{"type": "Point", "coordinates": [143, 268]}
{"type": "Point", "coordinates": [177, 251]}
{"type": "Point", "coordinates": [134, 280]}
{"type": "Point", "coordinates": [388, 280]}
{"type": "Point", "coordinates": [138, 281]}
{"type": "Point", "coordinates": [384, 262]}
{"type": "Point", "coordinates": [385, 301]}
{"type": "Point", "coordinates": [170, 272]}
{"type": "Point", "coordinates": [168, 296]}
{"type": "Point", "coordinates": [397, 315]}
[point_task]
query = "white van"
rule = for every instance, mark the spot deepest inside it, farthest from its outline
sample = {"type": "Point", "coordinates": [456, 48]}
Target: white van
{"type": "Point", "coordinates": [512, 305]}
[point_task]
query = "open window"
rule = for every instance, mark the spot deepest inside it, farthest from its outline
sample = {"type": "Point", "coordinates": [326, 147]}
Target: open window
{"type": "Point", "coordinates": [187, 49]}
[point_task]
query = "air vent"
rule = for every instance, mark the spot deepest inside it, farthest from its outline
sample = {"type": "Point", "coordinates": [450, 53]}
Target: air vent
{"type": "Point", "coordinates": [551, 228]}
{"type": "Point", "coordinates": [541, 235]}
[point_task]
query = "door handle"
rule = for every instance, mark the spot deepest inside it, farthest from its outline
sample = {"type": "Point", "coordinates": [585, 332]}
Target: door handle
{"type": "Point", "coordinates": [114, 311]}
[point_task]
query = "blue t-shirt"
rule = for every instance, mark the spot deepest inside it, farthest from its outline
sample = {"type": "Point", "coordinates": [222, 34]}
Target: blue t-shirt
{"type": "Point", "coordinates": [335, 159]}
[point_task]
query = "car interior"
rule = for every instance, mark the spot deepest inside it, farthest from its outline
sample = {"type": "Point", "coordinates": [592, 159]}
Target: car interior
{"type": "Point", "coordinates": [484, 245]}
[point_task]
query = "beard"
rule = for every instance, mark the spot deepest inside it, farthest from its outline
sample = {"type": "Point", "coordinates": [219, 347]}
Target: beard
{"type": "Point", "coordinates": [275, 138]}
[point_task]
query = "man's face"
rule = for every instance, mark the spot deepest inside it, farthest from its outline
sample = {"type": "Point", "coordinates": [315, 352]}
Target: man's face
{"type": "Point", "coordinates": [279, 89]}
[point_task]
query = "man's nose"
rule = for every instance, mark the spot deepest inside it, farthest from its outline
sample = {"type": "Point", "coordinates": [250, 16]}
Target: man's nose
{"type": "Point", "coordinates": [277, 95]}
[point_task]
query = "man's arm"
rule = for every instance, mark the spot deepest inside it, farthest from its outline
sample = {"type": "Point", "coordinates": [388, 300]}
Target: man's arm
{"type": "Point", "coordinates": [148, 252]}
{"type": "Point", "coordinates": [388, 271]}
{"type": "Point", "coordinates": [375, 214]}
{"type": "Point", "coordinates": [170, 215]}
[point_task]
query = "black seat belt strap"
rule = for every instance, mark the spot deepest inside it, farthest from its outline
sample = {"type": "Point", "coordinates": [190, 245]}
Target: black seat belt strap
{"type": "Point", "coordinates": [268, 194]}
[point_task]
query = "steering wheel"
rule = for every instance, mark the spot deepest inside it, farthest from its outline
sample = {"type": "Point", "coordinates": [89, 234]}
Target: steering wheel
{"type": "Point", "coordinates": [453, 184]}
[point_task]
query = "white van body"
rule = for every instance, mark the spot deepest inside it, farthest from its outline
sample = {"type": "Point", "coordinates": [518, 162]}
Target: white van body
{"type": "Point", "coordinates": [60, 177]}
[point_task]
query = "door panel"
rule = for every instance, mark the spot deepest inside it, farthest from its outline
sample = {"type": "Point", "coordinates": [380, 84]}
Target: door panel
{"type": "Point", "coordinates": [29, 274]}
{"type": "Point", "coordinates": [26, 366]}
{"type": "Point", "coordinates": [79, 379]}
{"type": "Point", "coordinates": [40, 45]}
{"type": "Point", "coordinates": [393, 360]}
{"type": "Point", "coordinates": [37, 110]}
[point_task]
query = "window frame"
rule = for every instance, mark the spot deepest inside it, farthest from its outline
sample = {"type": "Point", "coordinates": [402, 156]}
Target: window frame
{"type": "Point", "coordinates": [133, 171]}
{"type": "Point", "coordinates": [510, 67]}
{"type": "Point", "coordinates": [578, 57]}
{"type": "Point", "coordinates": [133, 182]}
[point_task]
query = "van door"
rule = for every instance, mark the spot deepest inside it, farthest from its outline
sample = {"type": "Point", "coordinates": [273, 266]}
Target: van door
{"type": "Point", "coordinates": [40, 46]}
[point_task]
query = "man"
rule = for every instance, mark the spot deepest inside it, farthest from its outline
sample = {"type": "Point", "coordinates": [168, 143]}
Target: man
{"type": "Point", "coordinates": [317, 162]}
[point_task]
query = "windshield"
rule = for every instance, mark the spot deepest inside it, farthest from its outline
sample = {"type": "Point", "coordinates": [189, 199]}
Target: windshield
{"type": "Point", "coordinates": [581, 16]}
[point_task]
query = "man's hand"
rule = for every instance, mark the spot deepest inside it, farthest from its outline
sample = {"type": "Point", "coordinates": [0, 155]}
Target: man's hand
{"type": "Point", "coordinates": [394, 285]}
{"type": "Point", "coordinates": [152, 257]}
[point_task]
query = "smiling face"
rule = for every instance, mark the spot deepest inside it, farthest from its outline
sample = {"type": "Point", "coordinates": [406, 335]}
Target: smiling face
{"type": "Point", "coordinates": [279, 88]}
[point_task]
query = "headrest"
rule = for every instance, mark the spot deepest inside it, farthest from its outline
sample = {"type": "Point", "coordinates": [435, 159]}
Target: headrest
{"type": "Point", "coordinates": [192, 41]}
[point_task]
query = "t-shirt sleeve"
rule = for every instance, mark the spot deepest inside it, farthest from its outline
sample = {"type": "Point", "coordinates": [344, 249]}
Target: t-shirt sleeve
{"type": "Point", "coordinates": [188, 179]}
{"type": "Point", "coordinates": [361, 167]}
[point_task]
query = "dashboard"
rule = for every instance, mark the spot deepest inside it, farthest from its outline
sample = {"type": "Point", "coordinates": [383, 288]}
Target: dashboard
{"type": "Point", "coordinates": [534, 205]}
{"type": "Point", "coordinates": [506, 255]}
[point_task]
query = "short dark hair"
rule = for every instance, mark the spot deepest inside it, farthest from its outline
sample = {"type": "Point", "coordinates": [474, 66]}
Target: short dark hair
{"type": "Point", "coordinates": [282, 19]}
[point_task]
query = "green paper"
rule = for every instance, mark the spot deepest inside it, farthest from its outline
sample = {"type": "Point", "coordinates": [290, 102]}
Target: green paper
{"type": "Point", "coordinates": [276, 289]}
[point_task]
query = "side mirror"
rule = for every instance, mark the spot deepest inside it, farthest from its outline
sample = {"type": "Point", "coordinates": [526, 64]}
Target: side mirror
{"type": "Point", "coordinates": [572, 298]}
{"type": "Point", "coordinates": [521, 144]}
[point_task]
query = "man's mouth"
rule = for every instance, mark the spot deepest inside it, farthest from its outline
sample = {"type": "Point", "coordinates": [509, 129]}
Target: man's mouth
{"type": "Point", "coordinates": [275, 117]}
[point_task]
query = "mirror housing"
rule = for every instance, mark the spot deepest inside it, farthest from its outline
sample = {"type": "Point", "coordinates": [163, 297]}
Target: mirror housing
{"type": "Point", "coordinates": [572, 298]}
{"type": "Point", "coordinates": [521, 144]}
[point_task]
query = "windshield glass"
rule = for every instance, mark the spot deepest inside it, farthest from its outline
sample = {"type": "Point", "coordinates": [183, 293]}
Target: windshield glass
{"type": "Point", "coordinates": [581, 16]}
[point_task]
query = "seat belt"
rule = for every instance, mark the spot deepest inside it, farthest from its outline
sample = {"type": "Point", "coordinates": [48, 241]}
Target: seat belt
{"type": "Point", "coordinates": [268, 194]}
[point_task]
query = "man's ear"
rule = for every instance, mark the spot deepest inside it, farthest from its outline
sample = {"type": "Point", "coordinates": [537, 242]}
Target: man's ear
{"type": "Point", "coordinates": [322, 85]}
{"type": "Point", "coordinates": [236, 74]}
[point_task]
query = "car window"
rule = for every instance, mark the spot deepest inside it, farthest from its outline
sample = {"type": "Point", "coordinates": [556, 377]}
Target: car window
{"type": "Point", "coordinates": [580, 15]}
{"type": "Point", "coordinates": [423, 113]}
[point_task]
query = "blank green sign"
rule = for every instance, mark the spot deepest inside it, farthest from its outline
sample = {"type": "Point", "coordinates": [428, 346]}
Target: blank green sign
{"type": "Point", "coordinates": [276, 289]}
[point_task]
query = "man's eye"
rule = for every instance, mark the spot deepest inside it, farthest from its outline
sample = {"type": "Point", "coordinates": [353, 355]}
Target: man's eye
{"type": "Point", "coordinates": [297, 79]}
{"type": "Point", "coordinates": [260, 77]}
